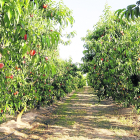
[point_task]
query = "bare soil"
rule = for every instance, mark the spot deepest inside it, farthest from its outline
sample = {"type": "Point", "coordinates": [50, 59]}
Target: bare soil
{"type": "Point", "coordinates": [78, 117]}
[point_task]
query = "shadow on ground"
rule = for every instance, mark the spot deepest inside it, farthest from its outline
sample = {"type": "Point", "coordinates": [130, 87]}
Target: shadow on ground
{"type": "Point", "coordinates": [81, 117]}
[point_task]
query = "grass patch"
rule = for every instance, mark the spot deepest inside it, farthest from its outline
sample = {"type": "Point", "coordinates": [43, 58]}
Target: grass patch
{"type": "Point", "coordinates": [62, 113]}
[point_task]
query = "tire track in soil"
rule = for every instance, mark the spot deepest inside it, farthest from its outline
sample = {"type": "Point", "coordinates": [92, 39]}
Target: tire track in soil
{"type": "Point", "coordinates": [79, 117]}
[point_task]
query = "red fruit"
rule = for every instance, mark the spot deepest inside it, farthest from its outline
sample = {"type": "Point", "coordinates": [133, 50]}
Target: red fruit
{"type": "Point", "coordinates": [27, 52]}
{"type": "Point", "coordinates": [11, 76]}
{"type": "Point", "coordinates": [45, 5]}
{"type": "Point", "coordinates": [38, 46]}
{"type": "Point", "coordinates": [49, 90]}
{"type": "Point", "coordinates": [1, 65]}
{"type": "Point", "coordinates": [24, 62]}
{"type": "Point", "coordinates": [46, 58]}
{"type": "Point", "coordinates": [31, 15]}
{"type": "Point", "coordinates": [25, 37]}
{"type": "Point", "coordinates": [32, 52]}
{"type": "Point", "coordinates": [102, 59]}
{"type": "Point", "coordinates": [43, 74]}
{"type": "Point", "coordinates": [23, 94]}
{"type": "Point", "coordinates": [114, 49]}
{"type": "Point", "coordinates": [1, 111]}
{"type": "Point", "coordinates": [94, 67]}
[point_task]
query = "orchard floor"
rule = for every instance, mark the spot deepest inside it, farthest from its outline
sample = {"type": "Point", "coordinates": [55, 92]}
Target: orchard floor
{"type": "Point", "coordinates": [77, 117]}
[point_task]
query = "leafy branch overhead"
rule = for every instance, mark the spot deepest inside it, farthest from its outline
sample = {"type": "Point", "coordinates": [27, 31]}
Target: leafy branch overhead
{"type": "Point", "coordinates": [132, 11]}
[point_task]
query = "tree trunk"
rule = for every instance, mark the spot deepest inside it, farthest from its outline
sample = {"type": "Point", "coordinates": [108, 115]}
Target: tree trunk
{"type": "Point", "coordinates": [20, 114]}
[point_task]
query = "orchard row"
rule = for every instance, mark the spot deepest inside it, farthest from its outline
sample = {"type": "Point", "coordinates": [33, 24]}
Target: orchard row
{"type": "Point", "coordinates": [112, 59]}
{"type": "Point", "coordinates": [31, 72]}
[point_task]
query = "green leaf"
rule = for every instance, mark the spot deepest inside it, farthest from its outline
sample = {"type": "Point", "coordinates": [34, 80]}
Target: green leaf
{"type": "Point", "coordinates": [48, 41]}
{"type": "Point", "coordinates": [120, 11]}
{"type": "Point", "coordinates": [85, 51]}
{"type": "Point", "coordinates": [24, 50]}
{"type": "Point", "coordinates": [19, 8]}
{"type": "Point", "coordinates": [127, 14]}
{"type": "Point", "coordinates": [132, 14]}
{"type": "Point", "coordinates": [129, 7]}
{"type": "Point", "coordinates": [2, 2]}
{"type": "Point", "coordinates": [6, 19]}
{"type": "Point", "coordinates": [17, 16]}
{"type": "Point", "coordinates": [136, 11]}
{"type": "Point", "coordinates": [42, 41]}
{"type": "Point", "coordinates": [53, 70]}
{"type": "Point", "coordinates": [9, 14]}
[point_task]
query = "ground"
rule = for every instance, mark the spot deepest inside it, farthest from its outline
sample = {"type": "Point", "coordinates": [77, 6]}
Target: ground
{"type": "Point", "coordinates": [77, 117]}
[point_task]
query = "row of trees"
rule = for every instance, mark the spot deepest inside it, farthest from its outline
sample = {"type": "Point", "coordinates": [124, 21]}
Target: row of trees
{"type": "Point", "coordinates": [31, 72]}
{"type": "Point", "coordinates": [112, 59]}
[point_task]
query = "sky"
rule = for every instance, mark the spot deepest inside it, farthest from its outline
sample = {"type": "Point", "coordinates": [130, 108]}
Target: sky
{"type": "Point", "coordinates": [86, 14]}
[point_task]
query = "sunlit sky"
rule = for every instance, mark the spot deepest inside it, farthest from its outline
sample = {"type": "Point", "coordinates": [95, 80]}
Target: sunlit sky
{"type": "Point", "coordinates": [86, 14]}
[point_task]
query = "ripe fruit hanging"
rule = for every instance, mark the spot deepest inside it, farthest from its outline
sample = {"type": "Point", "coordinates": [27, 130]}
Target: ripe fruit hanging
{"type": "Point", "coordinates": [31, 15]}
{"type": "Point", "coordinates": [11, 77]}
{"type": "Point", "coordinates": [102, 59]}
{"type": "Point", "coordinates": [46, 58]}
{"type": "Point", "coordinates": [32, 52]}
{"type": "Point", "coordinates": [45, 6]}
{"type": "Point", "coordinates": [16, 93]}
{"type": "Point", "coordinates": [1, 65]}
{"type": "Point", "coordinates": [25, 37]}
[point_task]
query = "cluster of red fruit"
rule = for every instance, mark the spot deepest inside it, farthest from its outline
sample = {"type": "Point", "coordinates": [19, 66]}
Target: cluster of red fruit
{"type": "Point", "coordinates": [9, 77]}
{"type": "Point", "coordinates": [16, 93]}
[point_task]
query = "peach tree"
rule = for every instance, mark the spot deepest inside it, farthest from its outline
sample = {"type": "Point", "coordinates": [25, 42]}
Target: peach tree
{"type": "Point", "coordinates": [29, 38]}
{"type": "Point", "coordinates": [114, 68]}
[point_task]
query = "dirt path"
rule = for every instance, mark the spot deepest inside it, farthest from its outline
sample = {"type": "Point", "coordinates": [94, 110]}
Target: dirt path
{"type": "Point", "coordinates": [78, 117]}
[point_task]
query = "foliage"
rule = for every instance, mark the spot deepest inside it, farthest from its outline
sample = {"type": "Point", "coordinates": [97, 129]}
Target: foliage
{"type": "Point", "coordinates": [30, 32]}
{"type": "Point", "coordinates": [132, 11]}
{"type": "Point", "coordinates": [115, 69]}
